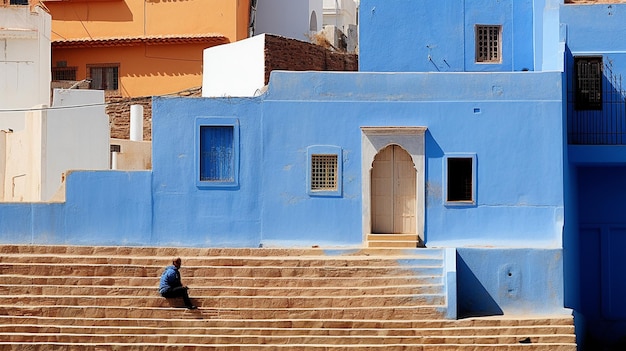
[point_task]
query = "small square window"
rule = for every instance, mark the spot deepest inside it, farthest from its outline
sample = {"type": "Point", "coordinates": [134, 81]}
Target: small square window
{"type": "Point", "coordinates": [324, 171]}
{"type": "Point", "coordinates": [460, 176]}
{"type": "Point", "coordinates": [488, 43]}
{"type": "Point", "coordinates": [104, 77]}
{"type": "Point", "coordinates": [588, 83]}
{"type": "Point", "coordinates": [217, 147]}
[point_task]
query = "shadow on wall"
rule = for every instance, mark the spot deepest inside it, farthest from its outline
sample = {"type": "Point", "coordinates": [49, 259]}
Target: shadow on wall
{"type": "Point", "coordinates": [472, 297]}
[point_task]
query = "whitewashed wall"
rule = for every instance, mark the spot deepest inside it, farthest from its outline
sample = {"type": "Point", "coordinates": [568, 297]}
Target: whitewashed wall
{"type": "Point", "coordinates": [236, 69]}
{"type": "Point", "coordinates": [288, 18]}
{"type": "Point", "coordinates": [75, 138]}
{"type": "Point", "coordinates": [53, 141]}
{"type": "Point", "coordinates": [24, 62]}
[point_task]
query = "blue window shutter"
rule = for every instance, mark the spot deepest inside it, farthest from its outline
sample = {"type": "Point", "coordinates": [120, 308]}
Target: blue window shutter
{"type": "Point", "coordinates": [217, 154]}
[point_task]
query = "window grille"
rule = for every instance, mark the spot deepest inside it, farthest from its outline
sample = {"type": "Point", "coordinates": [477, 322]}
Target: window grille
{"type": "Point", "coordinates": [17, 2]}
{"type": "Point", "coordinates": [64, 73]}
{"type": "Point", "coordinates": [104, 77]}
{"type": "Point", "coordinates": [323, 172]}
{"type": "Point", "coordinates": [488, 43]}
{"type": "Point", "coordinates": [216, 153]}
{"type": "Point", "coordinates": [588, 80]}
{"type": "Point", "coordinates": [460, 182]}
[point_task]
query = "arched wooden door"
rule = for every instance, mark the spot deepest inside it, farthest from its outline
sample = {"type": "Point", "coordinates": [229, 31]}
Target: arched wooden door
{"type": "Point", "coordinates": [393, 201]}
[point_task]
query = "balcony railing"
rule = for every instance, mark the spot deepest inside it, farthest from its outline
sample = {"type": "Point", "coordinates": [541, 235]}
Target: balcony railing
{"type": "Point", "coordinates": [605, 125]}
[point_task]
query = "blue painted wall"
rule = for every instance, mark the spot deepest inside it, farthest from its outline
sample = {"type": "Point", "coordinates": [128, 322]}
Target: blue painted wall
{"type": "Point", "coordinates": [594, 243]}
{"type": "Point", "coordinates": [507, 281]}
{"type": "Point", "coordinates": [510, 121]}
{"type": "Point", "coordinates": [429, 36]}
{"type": "Point", "coordinates": [494, 118]}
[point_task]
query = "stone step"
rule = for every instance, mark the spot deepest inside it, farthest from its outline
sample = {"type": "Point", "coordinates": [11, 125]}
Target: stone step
{"type": "Point", "coordinates": [7, 346]}
{"type": "Point", "coordinates": [168, 252]}
{"type": "Point", "coordinates": [409, 323]}
{"type": "Point", "coordinates": [523, 331]}
{"type": "Point", "coordinates": [74, 270]}
{"type": "Point", "coordinates": [302, 282]}
{"type": "Point", "coordinates": [370, 301]}
{"type": "Point", "coordinates": [413, 312]}
{"type": "Point", "coordinates": [227, 261]}
{"type": "Point", "coordinates": [211, 291]}
{"type": "Point", "coordinates": [280, 340]}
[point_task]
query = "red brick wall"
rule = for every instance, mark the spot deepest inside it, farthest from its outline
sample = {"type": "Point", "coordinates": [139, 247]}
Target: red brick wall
{"type": "Point", "coordinates": [293, 55]}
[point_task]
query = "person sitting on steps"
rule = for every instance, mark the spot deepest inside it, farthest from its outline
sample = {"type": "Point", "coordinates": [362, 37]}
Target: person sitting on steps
{"type": "Point", "coordinates": [171, 286]}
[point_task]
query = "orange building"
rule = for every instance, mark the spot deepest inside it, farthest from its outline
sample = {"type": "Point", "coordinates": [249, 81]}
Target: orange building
{"type": "Point", "coordinates": [133, 48]}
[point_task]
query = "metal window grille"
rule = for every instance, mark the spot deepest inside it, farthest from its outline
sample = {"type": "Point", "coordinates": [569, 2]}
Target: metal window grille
{"type": "Point", "coordinates": [17, 2]}
{"type": "Point", "coordinates": [488, 43]}
{"type": "Point", "coordinates": [323, 172]}
{"type": "Point", "coordinates": [104, 77]}
{"type": "Point", "coordinates": [64, 73]}
{"type": "Point", "coordinates": [460, 179]}
{"type": "Point", "coordinates": [588, 80]}
{"type": "Point", "coordinates": [217, 153]}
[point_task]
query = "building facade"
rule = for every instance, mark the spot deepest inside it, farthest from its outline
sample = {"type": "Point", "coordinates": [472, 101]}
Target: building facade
{"type": "Point", "coordinates": [490, 127]}
{"type": "Point", "coordinates": [133, 48]}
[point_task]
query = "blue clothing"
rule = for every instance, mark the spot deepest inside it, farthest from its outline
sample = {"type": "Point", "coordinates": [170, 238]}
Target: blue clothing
{"type": "Point", "coordinates": [170, 279]}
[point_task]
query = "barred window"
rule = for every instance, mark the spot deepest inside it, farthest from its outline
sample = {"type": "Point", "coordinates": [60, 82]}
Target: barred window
{"type": "Point", "coordinates": [216, 153]}
{"type": "Point", "coordinates": [18, 2]}
{"type": "Point", "coordinates": [588, 83]}
{"type": "Point", "coordinates": [104, 77]}
{"type": "Point", "coordinates": [323, 172]}
{"type": "Point", "coordinates": [64, 73]}
{"type": "Point", "coordinates": [488, 43]}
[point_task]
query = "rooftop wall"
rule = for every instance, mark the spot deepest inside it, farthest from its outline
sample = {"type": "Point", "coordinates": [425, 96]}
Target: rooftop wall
{"type": "Point", "coordinates": [440, 36]}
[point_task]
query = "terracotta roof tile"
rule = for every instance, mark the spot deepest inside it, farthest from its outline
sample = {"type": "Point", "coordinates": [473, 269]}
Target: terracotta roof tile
{"type": "Point", "coordinates": [215, 39]}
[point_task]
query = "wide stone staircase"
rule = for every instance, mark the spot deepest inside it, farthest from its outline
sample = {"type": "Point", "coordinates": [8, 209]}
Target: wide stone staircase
{"type": "Point", "coordinates": [105, 298]}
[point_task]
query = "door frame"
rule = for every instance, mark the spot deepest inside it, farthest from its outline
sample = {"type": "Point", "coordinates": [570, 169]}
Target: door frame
{"type": "Point", "coordinates": [411, 139]}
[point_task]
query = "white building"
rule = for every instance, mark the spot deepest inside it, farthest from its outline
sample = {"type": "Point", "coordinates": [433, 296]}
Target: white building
{"type": "Point", "coordinates": [297, 19]}
{"type": "Point", "coordinates": [24, 62]}
{"type": "Point", "coordinates": [39, 143]}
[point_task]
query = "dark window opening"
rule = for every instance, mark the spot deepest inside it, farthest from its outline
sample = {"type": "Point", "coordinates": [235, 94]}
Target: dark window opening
{"type": "Point", "coordinates": [460, 182]}
{"type": "Point", "coordinates": [217, 154]}
{"type": "Point", "coordinates": [18, 2]}
{"type": "Point", "coordinates": [588, 83]}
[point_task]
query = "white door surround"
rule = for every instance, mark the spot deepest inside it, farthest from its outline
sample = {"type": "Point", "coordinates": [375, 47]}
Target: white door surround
{"type": "Point", "coordinates": [412, 140]}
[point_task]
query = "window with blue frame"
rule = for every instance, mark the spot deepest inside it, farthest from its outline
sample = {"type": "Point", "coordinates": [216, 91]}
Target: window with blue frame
{"type": "Point", "coordinates": [216, 159]}
{"type": "Point", "coordinates": [217, 163]}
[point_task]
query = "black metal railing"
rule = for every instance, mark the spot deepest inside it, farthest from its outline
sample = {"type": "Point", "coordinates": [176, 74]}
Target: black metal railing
{"type": "Point", "coordinates": [605, 125]}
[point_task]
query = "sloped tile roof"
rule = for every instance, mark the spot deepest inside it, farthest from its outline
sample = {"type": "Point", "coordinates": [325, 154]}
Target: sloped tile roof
{"type": "Point", "coordinates": [214, 39]}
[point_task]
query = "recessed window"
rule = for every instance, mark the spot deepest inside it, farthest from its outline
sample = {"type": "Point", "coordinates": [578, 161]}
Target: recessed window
{"type": "Point", "coordinates": [104, 77]}
{"type": "Point", "coordinates": [488, 43]}
{"type": "Point", "coordinates": [460, 179]}
{"type": "Point", "coordinates": [18, 2]}
{"type": "Point", "coordinates": [64, 73]}
{"type": "Point", "coordinates": [324, 170]}
{"type": "Point", "coordinates": [588, 83]}
{"type": "Point", "coordinates": [217, 161]}
{"type": "Point", "coordinates": [217, 156]}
